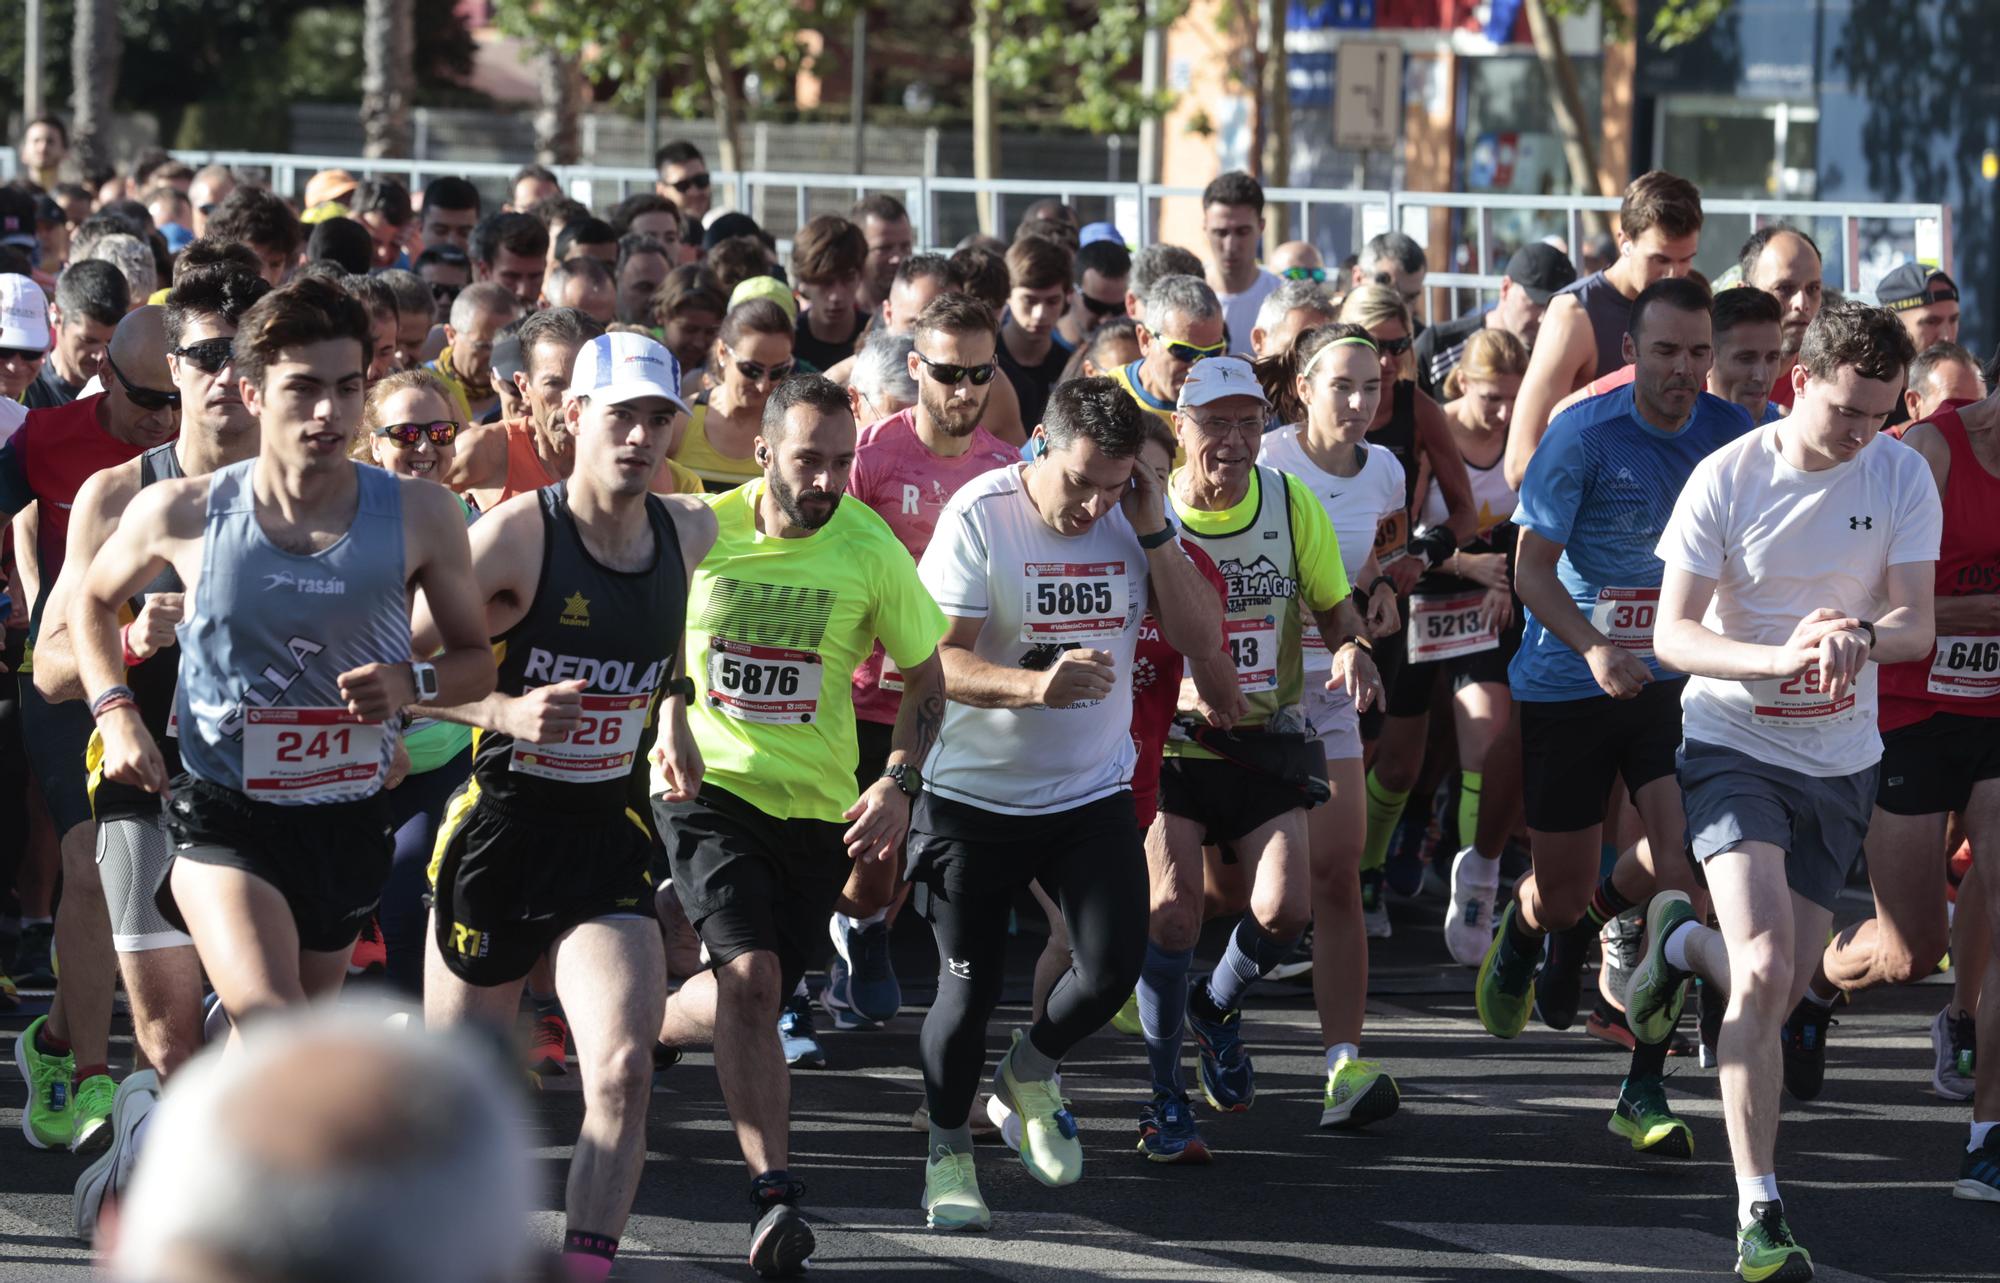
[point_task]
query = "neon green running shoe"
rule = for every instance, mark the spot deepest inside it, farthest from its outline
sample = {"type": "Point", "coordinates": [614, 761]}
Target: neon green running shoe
{"type": "Point", "coordinates": [951, 1193]}
{"type": "Point", "coordinates": [1766, 1252]}
{"type": "Point", "coordinates": [1049, 1146]}
{"type": "Point", "coordinates": [1653, 1002]}
{"type": "Point", "coordinates": [48, 1120]}
{"type": "Point", "coordinates": [1643, 1117]}
{"type": "Point", "coordinates": [91, 1114]}
{"type": "Point", "coordinates": [1505, 990]}
{"type": "Point", "coordinates": [1127, 1019]}
{"type": "Point", "coordinates": [1358, 1093]}
{"type": "Point", "coordinates": [10, 997]}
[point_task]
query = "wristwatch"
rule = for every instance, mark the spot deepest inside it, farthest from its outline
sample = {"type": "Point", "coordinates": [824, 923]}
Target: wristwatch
{"type": "Point", "coordinates": [425, 677]}
{"type": "Point", "coordinates": [1162, 535]}
{"type": "Point", "coordinates": [909, 778]}
{"type": "Point", "coordinates": [1869, 628]}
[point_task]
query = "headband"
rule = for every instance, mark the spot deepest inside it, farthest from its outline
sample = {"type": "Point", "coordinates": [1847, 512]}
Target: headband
{"type": "Point", "coordinates": [1355, 339]}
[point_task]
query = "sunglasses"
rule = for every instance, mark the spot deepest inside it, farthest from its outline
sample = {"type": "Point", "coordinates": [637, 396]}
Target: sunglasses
{"type": "Point", "coordinates": [1190, 353]}
{"type": "Point", "coordinates": [949, 375]}
{"type": "Point", "coordinates": [1393, 347]}
{"type": "Point", "coordinates": [696, 182]}
{"type": "Point", "coordinates": [208, 355]}
{"type": "Point", "coordinates": [1097, 307]}
{"type": "Point", "coordinates": [149, 399]}
{"type": "Point", "coordinates": [442, 433]}
{"type": "Point", "coordinates": [445, 293]}
{"type": "Point", "coordinates": [1314, 274]}
{"type": "Point", "coordinates": [757, 372]}
{"type": "Point", "coordinates": [19, 354]}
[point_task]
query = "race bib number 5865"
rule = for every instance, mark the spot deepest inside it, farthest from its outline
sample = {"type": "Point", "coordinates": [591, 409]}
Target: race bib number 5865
{"type": "Point", "coordinates": [1073, 602]}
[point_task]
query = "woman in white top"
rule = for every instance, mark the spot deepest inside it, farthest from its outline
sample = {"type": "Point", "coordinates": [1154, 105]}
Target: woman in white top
{"type": "Point", "coordinates": [1338, 379]}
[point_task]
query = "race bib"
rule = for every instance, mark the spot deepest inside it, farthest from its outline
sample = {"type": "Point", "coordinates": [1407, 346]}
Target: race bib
{"type": "Point", "coordinates": [763, 683]}
{"type": "Point", "coordinates": [1446, 626]}
{"type": "Point", "coordinates": [1797, 701]}
{"type": "Point", "coordinates": [1073, 602]}
{"type": "Point", "coordinates": [1392, 538]}
{"type": "Point", "coordinates": [600, 748]}
{"type": "Point", "coordinates": [307, 754]}
{"type": "Point", "coordinates": [1966, 667]}
{"type": "Point", "coordinates": [1626, 616]}
{"type": "Point", "coordinates": [1253, 648]}
{"type": "Point", "coordinates": [891, 680]}
{"type": "Point", "coordinates": [1311, 642]}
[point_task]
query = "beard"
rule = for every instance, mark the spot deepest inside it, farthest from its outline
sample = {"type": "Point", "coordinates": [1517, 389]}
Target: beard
{"type": "Point", "coordinates": [792, 503]}
{"type": "Point", "coordinates": [953, 418]}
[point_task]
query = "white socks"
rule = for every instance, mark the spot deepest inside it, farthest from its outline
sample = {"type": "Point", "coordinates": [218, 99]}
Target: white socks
{"type": "Point", "coordinates": [1754, 1189]}
{"type": "Point", "coordinates": [1675, 949]}
{"type": "Point", "coordinates": [1980, 1131]}
{"type": "Point", "coordinates": [1348, 1051]}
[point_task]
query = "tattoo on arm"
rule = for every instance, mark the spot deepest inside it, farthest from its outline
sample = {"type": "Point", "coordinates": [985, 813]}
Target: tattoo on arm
{"type": "Point", "coordinates": [929, 721]}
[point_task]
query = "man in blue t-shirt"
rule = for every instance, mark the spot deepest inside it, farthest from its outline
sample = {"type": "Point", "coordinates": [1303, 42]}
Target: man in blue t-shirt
{"type": "Point", "coordinates": [1595, 706]}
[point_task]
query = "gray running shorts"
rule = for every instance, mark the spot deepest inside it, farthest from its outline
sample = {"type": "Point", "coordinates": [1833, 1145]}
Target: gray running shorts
{"type": "Point", "coordinates": [1819, 822]}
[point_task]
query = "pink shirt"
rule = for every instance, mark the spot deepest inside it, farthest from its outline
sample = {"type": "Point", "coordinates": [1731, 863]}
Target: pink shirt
{"type": "Point", "coordinates": [898, 476]}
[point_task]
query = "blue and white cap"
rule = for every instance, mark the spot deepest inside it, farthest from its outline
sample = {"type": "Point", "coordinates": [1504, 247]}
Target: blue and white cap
{"type": "Point", "coordinates": [624, 367]}
{"type": "Point", "coordinates": [1219, 377]}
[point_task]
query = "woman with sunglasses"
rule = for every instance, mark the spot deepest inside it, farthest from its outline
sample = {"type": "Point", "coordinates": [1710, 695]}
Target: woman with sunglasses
{"type": "Point", "coordinates": [408, 429]}
{"type": "Point", "coordinates": [1410, 426]}
{"type": "Point", "coordinates": [753, 355]}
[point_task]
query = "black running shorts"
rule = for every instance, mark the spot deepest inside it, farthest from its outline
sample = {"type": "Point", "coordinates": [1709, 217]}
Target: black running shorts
{"type": "Point", "coordinates": [1572, 749]}
{"type": "Point", "coordinates": [1930, 767]}
{"type": "Point", "coordinates": [1229, 800]}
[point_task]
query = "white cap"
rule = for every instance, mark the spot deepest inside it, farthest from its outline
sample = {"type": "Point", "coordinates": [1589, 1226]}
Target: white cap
{"type": "Point", "coordinates": [24, 315]}
{"type": "Point", "coordinates": [624, 367]}
{"type": "Point", "coordinates": [1219, 377]}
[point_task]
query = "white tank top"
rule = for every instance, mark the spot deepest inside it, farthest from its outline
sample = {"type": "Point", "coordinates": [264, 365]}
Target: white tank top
{"type": "Point", "coordinates": [1356, 505]}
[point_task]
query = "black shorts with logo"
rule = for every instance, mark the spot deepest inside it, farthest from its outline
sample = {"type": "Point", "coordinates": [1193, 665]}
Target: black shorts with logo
{"type": "Point", "coordinates": [1571, 750]}
{"type": "Point", "coordinates": [329, 861]}
{"type": "Point", "coordinates": [505, 886]}
{"type": "Point", "coordinates": [1930, 767]}
{"type": "Point", "coordinates": [1229, 800]}
{"type": "Point", "coordinates": [749, 882]}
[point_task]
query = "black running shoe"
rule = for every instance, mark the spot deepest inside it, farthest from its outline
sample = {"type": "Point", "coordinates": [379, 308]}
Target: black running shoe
{"type": "Point", "coordinates": [780, 1240]}
{"type": "Point", "coordinates": [1559, 984]}
{"type": "Point", "coordinates": [1805, 1049]}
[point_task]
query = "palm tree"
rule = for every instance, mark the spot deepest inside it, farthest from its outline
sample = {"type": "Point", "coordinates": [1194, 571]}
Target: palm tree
{"type": "Point", "coordinates": [388, 78]}
{"type": "Point", "coordinates": [95, 46]}
{"type": "Point", "coordinates": [560, 79]}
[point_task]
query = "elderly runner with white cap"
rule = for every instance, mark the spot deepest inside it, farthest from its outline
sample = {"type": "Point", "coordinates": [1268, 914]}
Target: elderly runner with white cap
{"type": "Point", "coordinates": [24, 335]}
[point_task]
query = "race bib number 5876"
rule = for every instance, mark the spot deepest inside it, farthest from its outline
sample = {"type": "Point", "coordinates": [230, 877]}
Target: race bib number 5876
{"type": "Point", "coordinates": [763, 683]}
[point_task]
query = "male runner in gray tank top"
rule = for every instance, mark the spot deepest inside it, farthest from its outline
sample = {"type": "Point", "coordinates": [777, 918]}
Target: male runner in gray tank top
{"type": "Point", "coordinates": [1659, 231]}
{"type": "Point", "coordinates": [295, 658]}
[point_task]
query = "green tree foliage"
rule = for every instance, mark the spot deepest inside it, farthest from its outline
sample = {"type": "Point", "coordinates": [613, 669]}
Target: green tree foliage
{"type": "Point", "coordinates": [1077, 61]}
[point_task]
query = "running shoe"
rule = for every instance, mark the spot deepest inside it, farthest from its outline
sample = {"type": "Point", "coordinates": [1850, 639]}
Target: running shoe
{"type": "Point", "coordinates": [108, 1173]}
{"type": "Point", "coordinates": [920, 1120]}
{"type": "Point", "coordinates": [90, 1116]}
{"type": "Point", "coordinates": [34, 956]}
{"type": "Point", "coordinates": [1301, 961]}
{"type": "Point", "coordinates": [1374, 907]}
{"type": "Point", "coordinates": [780, 1240]}
{"type": "Point", "coordinates": [548, 1045]}
{"type": "Point", "coordinates": [1559, 983]}
{"type": "Point", "coordinates": [10, 996]}
{"type": "Point", "coordinates": [1167, 1132]}
{"type": "Point", "coordinates": [1227, 1078]}
{"type": "Point", "coordinates": [797, 1036]}
{"type": "Point", "coordinates": [835, 997]}
{"type": "Point", "coordinates": [1358, 1093]}
{"type": "Point", "coordinates": [1766, 1252]}
{"type": "Point", "coordinates": [1503, 990]}
{"type": "Point", "coordinates": [872, 988]}
{"type": "Point", "coordinates": [1607, 1024]}
{"type": "Point", "coordinates": [1048, 1147]}
{"type": "Point", "coordinates": [1468, 923]}
{"type": "Point", "coordinates": [1951, 1042]}
{"type": "Point", "coordinates": [1127, 1019]}
{"type": "Point", "coordinates": [49, 1119]}
{"type": "Point", "coordinates": [1622, 943]}
{"type": "Point", "coordinates": [1710, 1005]}
{"type": "Point", "coordinates": [1002, 1121]}
{"type": "Point", "coordinates": [1403, 871]}
{"type": "Point", "coordinates": [1805, 1049]}
{"type": "Point", "coordinates": [371, 955]}
{"type": "Point", "coordinates": [951, 1193]}
{"type": "Point", "coordinates": [1979, 1172]}
{"type": "Point", "coordinates": [215, 1024]}
{"type": "Point", "coordinates": [1643, 1117]}
{"type": "Point", "coordinates": [1653, 1002]}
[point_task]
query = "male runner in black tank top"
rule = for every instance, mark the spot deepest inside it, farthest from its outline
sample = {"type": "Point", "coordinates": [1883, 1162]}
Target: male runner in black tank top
{"type": "Point", "coordinates": [585, 586]}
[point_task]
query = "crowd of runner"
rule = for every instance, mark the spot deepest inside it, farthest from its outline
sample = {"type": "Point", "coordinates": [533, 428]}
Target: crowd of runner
{"type": "Point", "coordinates": [599, 622]}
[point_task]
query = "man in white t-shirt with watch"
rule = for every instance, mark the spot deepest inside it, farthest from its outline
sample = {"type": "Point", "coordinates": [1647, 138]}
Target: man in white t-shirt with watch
{"type": "Point", "coordinates": [1795, 556]}
{"type": "Point", "coordinates": [1044, 571]}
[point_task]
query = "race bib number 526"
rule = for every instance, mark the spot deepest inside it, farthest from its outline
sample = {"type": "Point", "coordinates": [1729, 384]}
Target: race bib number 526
{"type": "Point", "coordinates": [307, 754]}
{"type": "Point", "coordinates": [601, 747]}
{"type": "Point", "coordinates": [763, 683]}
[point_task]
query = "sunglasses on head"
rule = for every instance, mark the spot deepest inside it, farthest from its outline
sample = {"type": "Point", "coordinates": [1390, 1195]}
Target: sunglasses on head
{"type": "Point", "coordinates": [1314, 274]}
{"type": "Point", "coordinates": [757, 371]}
{"type": "Point", "coordinates": [208, 355]}
{"type": "Point", "coordinates": [1190, 353]}
{"type": "Point", "coordinates": [1097, 307]}
{"type": "Point", "coordinates": [949, 375]}
{"type": "Point", "coordinates": [144, 398]}
{"type": "Point", "coordinates": [442, 432]}
{"type": "Point", "coordinates": [694, 182]}
{"type": "Point", "coordinates": [1393, 347]}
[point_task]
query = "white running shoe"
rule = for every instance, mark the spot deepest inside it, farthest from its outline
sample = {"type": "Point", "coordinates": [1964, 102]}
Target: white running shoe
{"type": "Point", "coordinates": [135, 1100]}
{"type": "Point", "coordinates": [1468, 924]}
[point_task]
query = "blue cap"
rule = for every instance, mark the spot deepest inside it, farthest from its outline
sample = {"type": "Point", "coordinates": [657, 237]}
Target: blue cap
{"type": "Point", "coordinates": [178, 237]}
{"type": "Point", "coordinates": [1099, 232]}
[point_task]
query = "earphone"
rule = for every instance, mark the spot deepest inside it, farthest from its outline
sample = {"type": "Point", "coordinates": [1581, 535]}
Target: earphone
{"type": "Point", "coordinates": [1038, 446]}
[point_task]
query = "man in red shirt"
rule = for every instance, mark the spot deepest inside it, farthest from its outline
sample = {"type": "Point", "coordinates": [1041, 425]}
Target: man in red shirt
{"type": "Point", "coordinates": [45, 463]}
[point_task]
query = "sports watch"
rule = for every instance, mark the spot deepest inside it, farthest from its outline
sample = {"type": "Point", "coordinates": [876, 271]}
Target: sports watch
{"type": "Point", "coordinates": [425, 676]}
{"type": "Point", "coordinates": [908, 776]}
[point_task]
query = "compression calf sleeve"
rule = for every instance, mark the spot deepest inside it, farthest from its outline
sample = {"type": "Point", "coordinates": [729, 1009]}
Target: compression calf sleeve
{"type": "Point", "coordinates": [1385, 812]}
{"type": "Point", "coordinates": [1163, 995]}
{"type": "Point", "coordinates": [1470, 785]}
{"type": "Point", "coordinates": [1252, 951]}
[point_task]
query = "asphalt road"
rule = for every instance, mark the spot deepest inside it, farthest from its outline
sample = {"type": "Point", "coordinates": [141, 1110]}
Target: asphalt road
{"type": "Point", "coordinates": [1498, 1167]}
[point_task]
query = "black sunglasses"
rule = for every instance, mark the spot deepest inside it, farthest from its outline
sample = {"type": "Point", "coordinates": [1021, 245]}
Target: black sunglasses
{"type": "Point", "coordinates": [756, 372]}
{"type": "Point", "coordinates": [445, 293]}
{"type": "Point", "coordinates": [696, 182]}
{"type": "Point", "coordinates": [208, 355]}
{"type": "Point", "coordinates": [145, 398]}
{"type": "Point", "coordinates": [441, 432]}
{"type": "Point", "coordinates": [1394, 347]}
{"type": "Point", "coordinates": [20, 354]}
{"type": "Point", "coordinates": [1098, 307]}
{"type": "Point", "coordinates": [949, 375]}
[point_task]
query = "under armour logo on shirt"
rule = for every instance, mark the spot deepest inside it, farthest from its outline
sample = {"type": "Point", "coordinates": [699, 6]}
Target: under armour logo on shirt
{"type": "Point", "coordinates": [1861, 523]}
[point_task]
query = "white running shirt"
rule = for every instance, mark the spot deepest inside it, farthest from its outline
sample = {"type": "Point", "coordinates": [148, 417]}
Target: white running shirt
{"type": "Point", "coordinates": [1355, 505]}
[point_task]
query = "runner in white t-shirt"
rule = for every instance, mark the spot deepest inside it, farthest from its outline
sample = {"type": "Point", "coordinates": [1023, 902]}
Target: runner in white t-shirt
{"type": "Point", "coordinates": [1044, 571]}
{"type": "Point", "coordinates": [1795, 556]}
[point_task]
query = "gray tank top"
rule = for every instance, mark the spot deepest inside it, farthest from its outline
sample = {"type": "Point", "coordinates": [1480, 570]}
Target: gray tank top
{"type": "Point", "coordinates": [1610, 314]}
{"type": "Point", "coordinates": [274, 630]}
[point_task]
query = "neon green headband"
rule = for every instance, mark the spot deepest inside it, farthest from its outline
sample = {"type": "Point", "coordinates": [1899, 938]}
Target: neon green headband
{"type": "Point", "coordinates": [1355, 339]}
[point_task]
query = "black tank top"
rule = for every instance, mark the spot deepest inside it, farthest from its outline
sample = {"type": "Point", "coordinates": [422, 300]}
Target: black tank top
{"type": "Point", "coordinates": [616, 630]}
{"type": "Point", "coordinates": [153, 682]}
{"type": "Point", "coordinates": [1399, 435]}
{"type": "Point", "coordinates": [1610, 315]}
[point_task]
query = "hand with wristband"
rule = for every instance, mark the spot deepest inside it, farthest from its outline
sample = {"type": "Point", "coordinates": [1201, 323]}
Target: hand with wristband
{"type": "Point", "coordinates": [153, 629]}
{"type": "Point", "coordinates": [1383, 618]}
{"type": "Point", "coordinates": [130, 755]}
